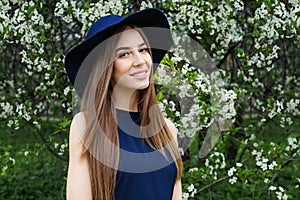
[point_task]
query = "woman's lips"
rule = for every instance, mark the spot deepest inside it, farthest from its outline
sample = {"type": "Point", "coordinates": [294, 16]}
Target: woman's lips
{"type": "Point", "coordinates": [139, 74]}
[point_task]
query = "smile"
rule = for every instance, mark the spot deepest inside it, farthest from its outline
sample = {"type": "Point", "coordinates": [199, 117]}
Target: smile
{"type": "Point", "coordinates": [139, 74]}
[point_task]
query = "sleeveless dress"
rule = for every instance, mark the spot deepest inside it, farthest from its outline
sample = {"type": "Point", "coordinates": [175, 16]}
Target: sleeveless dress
{"type": "Point", "coordinates": [143, 174]}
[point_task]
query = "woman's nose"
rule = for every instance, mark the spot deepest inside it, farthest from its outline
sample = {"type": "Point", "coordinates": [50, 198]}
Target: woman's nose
{"type": "Point", "coordinates": [138, 59]}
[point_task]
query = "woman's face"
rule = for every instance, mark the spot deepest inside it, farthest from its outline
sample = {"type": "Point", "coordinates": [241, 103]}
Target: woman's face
{"type": "Point", "coordinates": [133, 62]}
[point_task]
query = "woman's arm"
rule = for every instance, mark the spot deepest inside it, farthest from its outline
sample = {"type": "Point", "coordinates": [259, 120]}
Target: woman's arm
{"type": "Point", "coordinates": [177, 191]}
{"type": "Point", "coordinates": [78, 180]}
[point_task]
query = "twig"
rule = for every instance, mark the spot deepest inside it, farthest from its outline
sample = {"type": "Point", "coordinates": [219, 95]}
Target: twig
{"type": "Point", "coordinates": [48, 146]}
{"type": "Point", "coordinates": [277, 173]}
{"type": "Point", "coordinates": [214, 182]}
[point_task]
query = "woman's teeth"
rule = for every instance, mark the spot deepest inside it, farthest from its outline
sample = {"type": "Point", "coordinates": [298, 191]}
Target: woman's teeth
{"type": "Point", "coordinates": [139, 74]}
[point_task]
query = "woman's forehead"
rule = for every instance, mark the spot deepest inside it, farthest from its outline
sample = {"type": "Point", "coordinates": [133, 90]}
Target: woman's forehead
{"type": "Point", "coordinates": [130, 38]}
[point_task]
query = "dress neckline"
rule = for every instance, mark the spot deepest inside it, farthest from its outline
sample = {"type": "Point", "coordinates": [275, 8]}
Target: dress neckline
{"type": "Point", "coordinates": [131, 112]}
{"type": "Point", "coordinates": [126, 117]}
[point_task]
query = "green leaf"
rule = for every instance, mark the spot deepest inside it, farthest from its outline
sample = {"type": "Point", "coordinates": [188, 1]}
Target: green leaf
{"type": "Point", "coordinates": [65, 123]}
{"type": "Point", "coordinates": [86, 5]}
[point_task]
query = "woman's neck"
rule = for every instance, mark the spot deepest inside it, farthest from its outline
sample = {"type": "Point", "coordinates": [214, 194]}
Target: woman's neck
{"type": "Point", "coordinates": [125, 98]}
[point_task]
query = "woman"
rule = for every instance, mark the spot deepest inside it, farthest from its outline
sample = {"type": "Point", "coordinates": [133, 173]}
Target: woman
{"type": "Point", "coordinates": [120, 145]}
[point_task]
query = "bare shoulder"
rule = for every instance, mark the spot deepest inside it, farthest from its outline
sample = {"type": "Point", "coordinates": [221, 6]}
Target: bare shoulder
{"type": "Point", "coordinates": [78, 184]}
{"type": "Point", "coordinates": [77, 128]}
{"type": "Point", "coordinates": [172, 127]}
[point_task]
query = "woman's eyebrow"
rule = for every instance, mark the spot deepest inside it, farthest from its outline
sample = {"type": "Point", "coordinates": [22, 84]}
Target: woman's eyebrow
{"type": "Point", "coordinates": [127, 48]}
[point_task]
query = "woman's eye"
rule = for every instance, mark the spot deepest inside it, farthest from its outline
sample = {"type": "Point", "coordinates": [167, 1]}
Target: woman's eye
{"type": "Point", "coordinates": [123, 54]}
{"type": "Point", "coordinates": [143, 50]}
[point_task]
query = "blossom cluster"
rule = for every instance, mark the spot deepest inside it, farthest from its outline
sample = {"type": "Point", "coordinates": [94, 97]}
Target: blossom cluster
{"type": "Point", "coordinates": [215, 162]}
{"type": "Point", "coordinates": [245, 69]}
{"type": "Point", "coordinates": [191, 191]}
{"type": "Point", "coordinates": [61, 148]}
{"type": "Point", "coordinates": [280, 192]}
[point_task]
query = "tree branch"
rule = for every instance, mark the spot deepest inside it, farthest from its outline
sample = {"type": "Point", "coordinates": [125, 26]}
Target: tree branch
{"type": "Point", "coordinates": [213, 183]}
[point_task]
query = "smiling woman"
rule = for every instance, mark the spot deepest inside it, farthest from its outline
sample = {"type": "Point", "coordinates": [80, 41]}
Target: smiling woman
{"type": "Point", "coordinates": [121, 147]}
{"type": "Point", "coordinates": [133, 63]}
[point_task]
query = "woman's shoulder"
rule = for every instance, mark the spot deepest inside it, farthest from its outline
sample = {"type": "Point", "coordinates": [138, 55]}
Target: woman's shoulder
{"type": "Point", "coordinates": [172, 127]}
{"type": "Point", "coordinates": [79, 118]}
{"type": "Point", "coordinates": [77, 128]}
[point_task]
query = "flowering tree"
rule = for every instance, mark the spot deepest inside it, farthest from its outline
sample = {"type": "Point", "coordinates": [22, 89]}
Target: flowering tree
{"type": "Point", "coordinates": [254, 46]}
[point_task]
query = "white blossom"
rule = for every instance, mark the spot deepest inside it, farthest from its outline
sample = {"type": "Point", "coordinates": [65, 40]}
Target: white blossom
{"type": "Point", "coordinates": [193, 169]}
{"type": "Point", "coordinates": [273, 188]}
{"type": "Point", "coordinates": [231, 171]}
{"type": "Point", "coordinates": [185, 196]}
{"type": "Point", "coordinates": [266, 180]}
{"type": "Point", "coordinates": [26, 153]}
{"type": "Point", "coordinates": [239, 164]}
{"type": "Point", "coordinates": [233, 180]}
{"type": "Point", "coordinates": [12, 160]}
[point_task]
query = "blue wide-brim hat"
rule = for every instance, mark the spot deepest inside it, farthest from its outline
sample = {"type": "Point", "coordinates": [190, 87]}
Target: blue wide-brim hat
{"type": "Point", "coordinates": [159, 41]}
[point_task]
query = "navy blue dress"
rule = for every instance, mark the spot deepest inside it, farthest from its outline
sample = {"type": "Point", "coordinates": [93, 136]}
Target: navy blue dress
{"type": "Point", "coordinates": [143, 174]}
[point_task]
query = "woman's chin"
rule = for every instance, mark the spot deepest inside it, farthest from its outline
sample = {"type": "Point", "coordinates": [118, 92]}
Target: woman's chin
{"type": "Point", "coordinates": [142, 86]}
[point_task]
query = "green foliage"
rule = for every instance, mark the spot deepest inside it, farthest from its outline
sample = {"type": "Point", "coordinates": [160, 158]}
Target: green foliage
{"type": "Point", "coordinates": [254, 179]}
{"type": "Point", "coordinates": [254, 46]}
{"type": "Point", "coordinates": [28, 169]}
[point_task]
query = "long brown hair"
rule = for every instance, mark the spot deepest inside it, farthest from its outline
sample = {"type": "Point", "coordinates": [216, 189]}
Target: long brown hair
{"type": "Point", "coordinates": [101, 139]}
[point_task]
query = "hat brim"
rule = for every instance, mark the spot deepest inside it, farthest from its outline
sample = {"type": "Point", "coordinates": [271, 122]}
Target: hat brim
{"type": "Point", "coordinates": [159, 42]}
